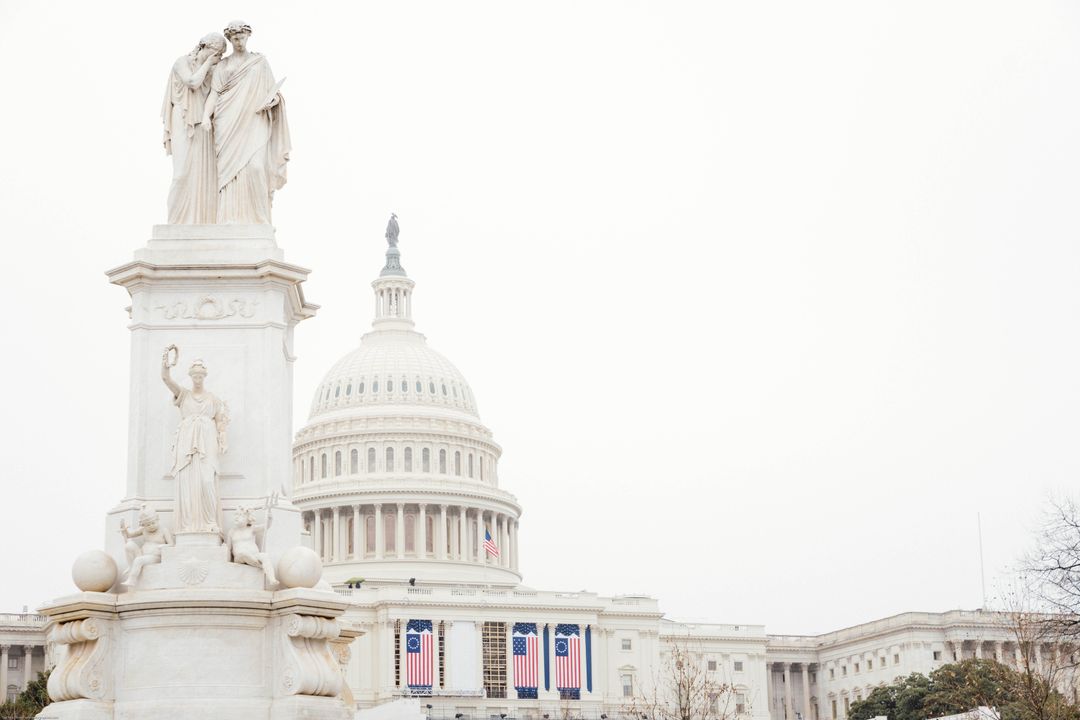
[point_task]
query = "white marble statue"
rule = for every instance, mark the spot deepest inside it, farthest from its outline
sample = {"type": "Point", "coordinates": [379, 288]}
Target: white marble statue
{"type": "Point", "coordinates": [244, 539]}
{"type": "Point", "coordinates": [154, 537]}
{"type": "Point", "coordinates": [198, 444]}
{"type": "Point", "coordinates": [246, 115]}
{"type": "Point", "coordinates": [193, 193]}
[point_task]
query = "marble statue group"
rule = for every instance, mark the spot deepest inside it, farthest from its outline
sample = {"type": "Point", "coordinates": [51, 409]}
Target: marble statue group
{"type": "Point", "coordinates": [226, 129]}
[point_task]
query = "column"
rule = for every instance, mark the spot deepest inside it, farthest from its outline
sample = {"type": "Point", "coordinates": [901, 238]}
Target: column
{"type": "Point", "coordinates": [806, 692]}
{"type": "Point", "coordinates": [480, 554]}
{"type": "Point", "coordinates": [1038, 658]}
{"type": "Point", "coordinates": [1018, 658]}
{"type": "Point", "coordinates": [316, 529]}
{"type": "Point", "coordinates": [514, 545]}
{"type": "Point", "coordinates": [357, 529]}
{"type": "Point", "coordinates": [380, 540]}
{"type": "Point", "coordinates": [335, 546]}
{"type": "Point", "coordinates": [788, 713]}
{"type": "Point", "coordinates": [28, 658]}
{"type": "Point", "coordinates": [441, 535]}
{"type": "Point", "coordinates": [999, 652]}
{"type": "Point", "coordinates": [958, 650]}
{"type": "Point", "coordinates": [3, 669]}
{"type": "Point", "coordinates": [421, 551]}
{"type": "Point", "coordinates": [504, 534]}
{"type": "Point", "coordinates": [399, 531]}
{"type": "Point", "coordinates": [463, 538]}
{"type": "Point", "coordinates": [403, 654]}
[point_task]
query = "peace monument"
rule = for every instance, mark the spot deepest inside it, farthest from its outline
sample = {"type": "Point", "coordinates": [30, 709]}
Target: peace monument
{"type": "Point", "coordinates": [204, 603]}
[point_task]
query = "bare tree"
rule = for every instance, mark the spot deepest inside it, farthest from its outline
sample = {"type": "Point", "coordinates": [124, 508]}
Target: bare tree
{"type": "Point", "coordinates": [1054, 566]}
{"type": "Point", "coordinates": [685, 689]}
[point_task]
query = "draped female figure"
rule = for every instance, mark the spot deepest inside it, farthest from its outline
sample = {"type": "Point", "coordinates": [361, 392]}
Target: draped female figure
{"type": "Point", "coordinates": [193, 192]}
{"type": "Point", "coordinates": [251, 135]}
{"type": "Point", "coordinates": [197, 447]}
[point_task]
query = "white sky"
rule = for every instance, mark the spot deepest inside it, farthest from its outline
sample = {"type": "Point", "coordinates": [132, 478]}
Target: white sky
{"type": "Point", "coordinates": [764, 301]}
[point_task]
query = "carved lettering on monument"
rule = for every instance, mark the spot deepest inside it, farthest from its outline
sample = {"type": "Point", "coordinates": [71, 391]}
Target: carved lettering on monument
{"type": "Point", "coordinates": [208, 307]}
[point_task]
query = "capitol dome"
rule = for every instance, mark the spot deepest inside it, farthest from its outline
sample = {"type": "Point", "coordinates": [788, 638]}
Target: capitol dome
{"type": "Point", "coordinates": [395, 474]}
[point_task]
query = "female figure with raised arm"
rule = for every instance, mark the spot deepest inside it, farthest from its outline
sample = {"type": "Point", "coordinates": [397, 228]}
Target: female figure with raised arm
{"type": "Point", "coordinates": [193, 193]}
{"type": "Point", "coordinates": [199, 442]}
{"type": "Point", "coordinates": [246, 113]}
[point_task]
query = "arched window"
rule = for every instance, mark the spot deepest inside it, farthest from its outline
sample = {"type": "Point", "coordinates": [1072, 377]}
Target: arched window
{"type": "Point", "coordinates": [374, 386]}
{"type": "Point", "coordinates": [442, 461]}
{"type": "Point", "coordinates": [348, 389]}
{"type": "Point", "coordinates": [408, 459]}
{"type": "Point", "coordinates": [354, 461]}
{"type": "Point", "coordinates": [410, 533]}
{"type": "Point", "coordinates": [390, 532]}
{"type": "Point", "coordinates": [323, 472]}
{"type": "Point", "coordinates": [419, 387]}
{"type": "Point", "coordinates": [337, 391]}
{"type": "Point", "coordinates": [454, 388]}
{"type": "Point", "coordinates": [337, 463]}
{"type": "Point", "coordinates": [371, 459]}
{"type": "Point", "coordinates": [369, 533]}
{"type": "Point", "coordinates": [429, 539]}
{"type": "Point", "coordinates": [457, 462]}
{"type": "Point", "coordinates": [425, 456]}
{"type": "Point", "coordinates": [431, 387]}
{"type": "Point", "coordinates": [444, 389]}
{"type": "Point", "coordinates": [361, 389]}
{"type": "Point", "coordinates": [311, 469]}
{"type": "Point", "coordinates": [481, 467]}
{"type": "Point", "coordinates": [389, 459]}
{"type": "Point", "coordinates": [350, 537]}
{"type": "Point", "coordinates": [404, 385]}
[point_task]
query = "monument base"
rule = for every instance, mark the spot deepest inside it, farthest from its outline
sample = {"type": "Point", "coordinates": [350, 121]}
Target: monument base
{"type": "Point", "coordinates": [211, 643]}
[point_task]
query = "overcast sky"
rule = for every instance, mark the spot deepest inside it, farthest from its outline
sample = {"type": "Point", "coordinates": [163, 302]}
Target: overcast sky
{"type": "Point", "coordinates": [763, 301]}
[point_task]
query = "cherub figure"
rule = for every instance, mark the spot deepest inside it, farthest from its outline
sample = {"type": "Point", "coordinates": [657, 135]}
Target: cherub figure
{"type": "Point", "coordinates": [244, 539]}
{"type": "Point", "coordinates": [154, 537]}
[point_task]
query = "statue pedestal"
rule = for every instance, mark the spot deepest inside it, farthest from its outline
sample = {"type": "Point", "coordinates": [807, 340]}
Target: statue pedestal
{"type": "Point", "coordinates": [223, 294]}
{"type": "Point", "coordinates": [197, 651]}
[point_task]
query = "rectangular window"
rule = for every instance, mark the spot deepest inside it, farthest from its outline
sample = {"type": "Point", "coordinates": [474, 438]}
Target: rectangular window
{"type": "Point", "coordinates": [896, 659]}
{"type": "Point", "coordinates": [740, 703]}
{"type": "Point", "coordinates": [847, 706]}
{"type": "Point", "coordinates": [711, 665]}
{"type": "Point", "coordinates": [832, 673]}
{"type": "Point", "coordinates": [627, 685]}
{"type": "Point", "coordinates": [627, 644]}
{"type": "Point", "coordinates": [13, 662]}
{"type": "Point", "coordinates": [442, 654]}
{"type": "Point", "coordinates": [813, 678]}
{"type": "Point", "coordinates": [738, 666]}
{"type": "Point", "coordinates": [882, 661]}
{"type": "Point", "coordinates": [843, 671]}
{"type": "Point", "coordinates": [856, 667]}
{"type": "Point", "coordinates": [833, 710]}
{"type": "Point", "coordinates": [397, 654]}
{"type": "Point", "coordinates": [869, 664]}
{"type": "Point", "coordinates": [937, 654]}
{"type": "Point", "coordinates": [494, 649]}
{"type": "Point", "coordinates": [714, 704]}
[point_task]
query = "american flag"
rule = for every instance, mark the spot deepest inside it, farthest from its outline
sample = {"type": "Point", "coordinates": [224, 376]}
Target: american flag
{"type": "Point", "coordinates": [568, 661]}
{"type": "Point", "coordinates": [490, 546]}
{"type": "Point", "coordinates": [418, 654]}
{"type": "Point", "coordinates": [526, 658]}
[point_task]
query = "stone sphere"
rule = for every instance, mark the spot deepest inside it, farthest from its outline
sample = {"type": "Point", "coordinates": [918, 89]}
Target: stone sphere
{"type": "Point", "coordinates": [299, 567]}
{"type": "Point", "coordinates": [94, 571]}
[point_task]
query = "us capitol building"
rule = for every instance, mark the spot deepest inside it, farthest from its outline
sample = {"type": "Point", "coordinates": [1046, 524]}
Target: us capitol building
{"type": "Point", "coordinates": [397, 480]}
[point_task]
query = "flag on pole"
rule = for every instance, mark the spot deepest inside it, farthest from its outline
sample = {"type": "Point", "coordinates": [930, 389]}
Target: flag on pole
{"type": "Point", "coordinates": [489, 545]}
{"type": "Point", "coordinates": [418, 654]}
{"type": "Point", "coordinates": [526, 657]}
{"type": "Point", "coordinates": [568, 661]}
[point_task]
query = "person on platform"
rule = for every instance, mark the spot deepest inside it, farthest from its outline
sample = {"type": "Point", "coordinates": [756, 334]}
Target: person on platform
{"type": "Point", "coordinates": [246, 115]}
{"type": "Point", "coordinates": [193, 192]}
